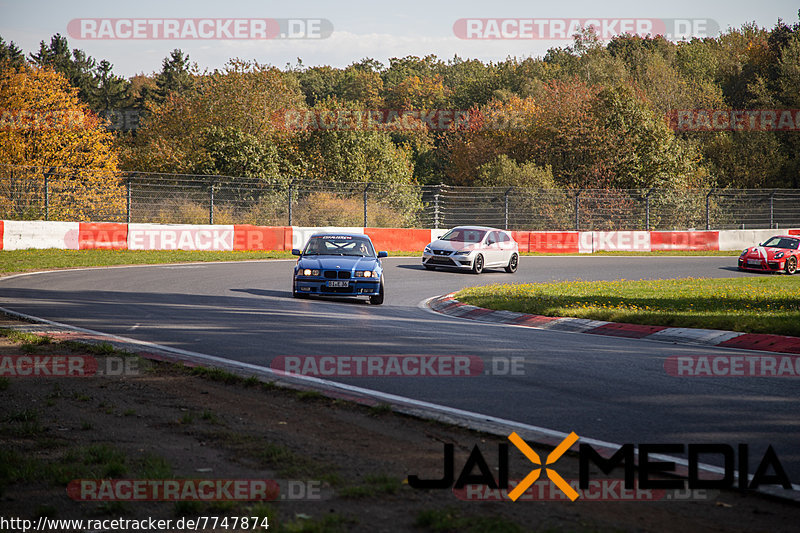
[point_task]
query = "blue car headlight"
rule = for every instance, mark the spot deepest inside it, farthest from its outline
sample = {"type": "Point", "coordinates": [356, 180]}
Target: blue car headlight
{"type": "Point", "coordinates": [367, 274]}
{"type": "Point", "coordinates": [308, 272]}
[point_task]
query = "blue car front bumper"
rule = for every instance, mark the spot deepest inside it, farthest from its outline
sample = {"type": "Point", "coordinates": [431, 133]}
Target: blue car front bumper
{"type": "Point", "coordinates": [328, 287]}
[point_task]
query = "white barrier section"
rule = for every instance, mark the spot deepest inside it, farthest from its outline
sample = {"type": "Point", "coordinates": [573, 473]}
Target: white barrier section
{"type": "Point", "coordinates": [26, 234]}
{"type": "Point", "coordinates": [585, 242]}
{"type": "Point", "coordinates": [300, 235]}
{"type": "Point", "coordinates": [625, 241]}
{"type": "Point", "coordinates": [437, 233]}
{"type": "Point", "coordinates": [180, 237]}
{"type": "Point", "coordinates": [745, 238]}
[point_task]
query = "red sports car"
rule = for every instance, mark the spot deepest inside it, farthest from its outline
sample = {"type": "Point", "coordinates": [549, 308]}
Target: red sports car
{"type": "Point", "coordinates": [779, 254]}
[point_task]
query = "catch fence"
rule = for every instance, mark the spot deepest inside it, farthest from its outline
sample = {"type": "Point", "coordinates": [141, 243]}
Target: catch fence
{"type": "Point", "coordinates": [80, 195]}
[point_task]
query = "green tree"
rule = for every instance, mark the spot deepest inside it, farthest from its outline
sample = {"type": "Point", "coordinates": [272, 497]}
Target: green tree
{"type": "Point", "coordinates": [78, 67]}
{"type": "Point", "coordinates": [11, 56]}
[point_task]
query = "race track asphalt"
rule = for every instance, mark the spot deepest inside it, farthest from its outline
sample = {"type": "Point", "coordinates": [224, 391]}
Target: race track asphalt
{"type": "Point", "coordinates": [607, 388]}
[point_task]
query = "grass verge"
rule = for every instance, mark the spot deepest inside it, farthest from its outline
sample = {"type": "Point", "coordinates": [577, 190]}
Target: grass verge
{"type": "Point", "coordinates": [28, 260]}
{"type": "Point", "coordinates": [768, 304]}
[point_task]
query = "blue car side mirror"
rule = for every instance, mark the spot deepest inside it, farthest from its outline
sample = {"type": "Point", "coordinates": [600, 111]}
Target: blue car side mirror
{"type": "Point", "coordinates": [295, 251]}
{"type": "Point", "coordinates": [383, 254]}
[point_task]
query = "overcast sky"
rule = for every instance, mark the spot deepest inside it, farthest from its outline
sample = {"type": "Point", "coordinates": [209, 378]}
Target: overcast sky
{"type": "Point", "coordinates": [360, 29]}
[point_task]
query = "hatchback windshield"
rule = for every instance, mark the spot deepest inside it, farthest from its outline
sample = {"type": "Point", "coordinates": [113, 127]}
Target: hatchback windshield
{"type": "Point", "coordinates": [464, 235]}
{"type": "Point", "coordinates": [339, 245]}
{"type": "Point", "coordinates": [782, 242]}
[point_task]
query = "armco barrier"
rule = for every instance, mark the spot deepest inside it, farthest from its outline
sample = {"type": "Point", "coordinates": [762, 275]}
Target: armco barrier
{"type": "Point", "coordinates": [180, 237]}
{"type": "Point", "coordinates": [28, 234]}
{"type": "Point", "coordinates": [559, 242]}
{"type": "Point", "coordinates": [617, 241]}
{"type": "Point", "coordinates": [741, 239]}
{"type": "Point", "coordinates": [102, 235]}
{"type": "Point", "coordinates": [399, 239]}
{"type": "Point", "coordinates": [247, 237]}
{"type": "Point", "coordinates": [684, 240]}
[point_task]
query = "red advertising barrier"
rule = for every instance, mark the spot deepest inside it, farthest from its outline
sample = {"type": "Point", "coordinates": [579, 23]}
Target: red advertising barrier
{"type": "Point", "coordinates": [248, 237]}
{"type": "Point", "coordinates": [102, 235]}
{"type": "Point", "coordinates": [684, 240]}
{"type": "Point", "coordinates": [523, 239]}
{"type": "Point", "coordinates": [791, 231]}
{"type": "Point", "coordinates": [559, 242]}
{"type": "Point", "coordinates": [399, 239]}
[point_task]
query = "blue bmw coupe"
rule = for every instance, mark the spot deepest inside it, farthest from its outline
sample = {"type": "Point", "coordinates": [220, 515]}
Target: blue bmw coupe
{"type": "Point", "coordinates": [339, 265]}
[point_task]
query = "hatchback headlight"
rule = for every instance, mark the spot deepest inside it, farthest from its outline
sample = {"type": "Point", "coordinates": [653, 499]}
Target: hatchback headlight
{"type": "Point", "coordinates": [779, 255]}
{"type": "Point", "coordinates": [428, 250]}
{"type": "Point", "coordinates": [745, 251]}
{"type": "Point", "coordinates": [462, 252]}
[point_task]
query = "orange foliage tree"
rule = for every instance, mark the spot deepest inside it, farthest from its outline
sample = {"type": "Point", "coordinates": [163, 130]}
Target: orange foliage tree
{"type": "Point", "coordinates": [46, 131]}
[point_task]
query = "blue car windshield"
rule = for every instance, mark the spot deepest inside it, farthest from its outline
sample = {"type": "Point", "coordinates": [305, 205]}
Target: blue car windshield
{"type": "Point", "coordinates": [339, 245]}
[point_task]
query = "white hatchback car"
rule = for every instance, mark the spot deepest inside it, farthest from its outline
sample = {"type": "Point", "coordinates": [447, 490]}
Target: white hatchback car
{"type": "Point", "coordinates": [473, 248]}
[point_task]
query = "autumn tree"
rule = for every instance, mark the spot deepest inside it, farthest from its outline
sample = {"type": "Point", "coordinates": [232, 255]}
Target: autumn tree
{"type": "Point", "coordinates": [46, 129]}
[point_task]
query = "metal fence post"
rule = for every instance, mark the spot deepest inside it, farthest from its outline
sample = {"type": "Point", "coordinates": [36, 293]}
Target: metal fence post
{"type": "Point", "coordinates": [506, 207]}
{"type": "Point", "coordinates": [211, 204]}
{"type": "Point", "coordinates": [647, 209]}
{"type": "Point", "coordinates": [47, 196]}
{"type": "Point", "coordinates": [578, 209]}
{"type": "Point", "coordinates": [772, 210]}
{"type": "Point", "coordinates": [436, 207]}
{"type": "Point", "coordinates": [291, 199]}
{"type": "Point", "coordinates": [128, 187]}
{"type": "Point", "coordinates": [365, 203]}
{"type": "Point", "coordinates": [708, 209]}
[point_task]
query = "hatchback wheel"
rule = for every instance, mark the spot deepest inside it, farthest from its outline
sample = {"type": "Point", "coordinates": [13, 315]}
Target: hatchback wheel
{"type": "Point", "coordinates": [477, 265]}
{"type": "Point", "coordinates": [512, 264]}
